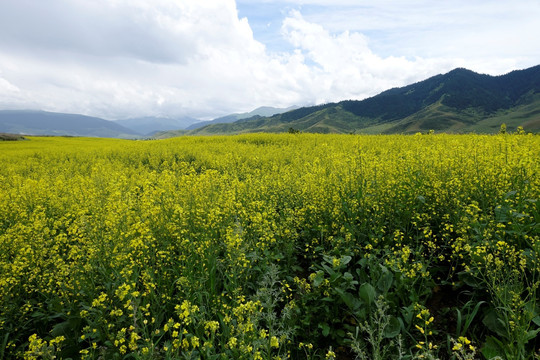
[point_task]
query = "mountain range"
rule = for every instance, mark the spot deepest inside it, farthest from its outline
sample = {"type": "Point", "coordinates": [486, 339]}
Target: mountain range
{"type": "Point", "coordinates": [261, 111]}
{"type": "Point", "coordinates": [149, 125]}
{"type": "Point", "coordinates": [32, 122]}
{"type": "Point", "coordinates": [459, 101]}
{"type": "Point", "coordinates": [50, 123]}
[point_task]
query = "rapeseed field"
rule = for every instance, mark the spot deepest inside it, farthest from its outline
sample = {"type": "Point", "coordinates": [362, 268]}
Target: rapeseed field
{"type": "Point", "coordinates": [266, 246]}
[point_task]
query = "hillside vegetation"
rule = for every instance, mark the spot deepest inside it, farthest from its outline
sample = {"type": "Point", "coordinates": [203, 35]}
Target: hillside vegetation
{"type": "Point", "coordinates": [270, 246]}
{"type": "Point", "coordinates": [460, 101]}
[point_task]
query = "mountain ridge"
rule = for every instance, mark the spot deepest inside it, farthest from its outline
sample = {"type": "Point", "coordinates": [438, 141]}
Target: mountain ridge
{"type": "Point", "coordinates": [457, 102]}
{"type": "Point", "coordinates": [37, 122]}
{"type": "Point", "coordinates": [453, 102]}
{"type": "Point", "coordinates": [147, 125]}
{"type": "Point", "coordinates": [260, 111]}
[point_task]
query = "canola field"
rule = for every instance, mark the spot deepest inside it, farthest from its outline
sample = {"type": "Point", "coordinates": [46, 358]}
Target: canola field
{"type": "Point", "coordinates": [271, 246]}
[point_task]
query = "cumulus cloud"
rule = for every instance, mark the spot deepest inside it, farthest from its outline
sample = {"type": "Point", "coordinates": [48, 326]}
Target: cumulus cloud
{"type": "Point", "coordinates": [9, 92]}
{"type": "Point", "coordinates": [346, 67]}
{"type": "Point", "coordinates": [126, 58]}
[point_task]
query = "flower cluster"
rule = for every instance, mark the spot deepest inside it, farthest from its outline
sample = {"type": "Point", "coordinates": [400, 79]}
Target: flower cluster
{"type": "Point", "coordinates": [163, 249]}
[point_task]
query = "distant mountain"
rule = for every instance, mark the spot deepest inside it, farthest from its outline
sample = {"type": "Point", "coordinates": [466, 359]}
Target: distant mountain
{"type": "Point", "coordinates": [49, 123]}
{"type": "Point", "coordinates": [150, 125]}
{"type": "Point", "coordinates": [11, 137]}
{"type": "Point", "coordinates": [261, 111]}
{"type": "Point", "coordinates": [459, 101]}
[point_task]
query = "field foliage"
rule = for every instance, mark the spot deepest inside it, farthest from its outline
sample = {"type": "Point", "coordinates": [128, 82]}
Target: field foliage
{"type": "Point", "coordinates": [270, 247]}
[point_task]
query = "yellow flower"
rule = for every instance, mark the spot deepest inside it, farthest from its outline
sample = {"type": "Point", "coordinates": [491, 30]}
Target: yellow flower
{"type": "Point", "coordinates": [232, 342]}
{"type": "Point", "coordinates": [274, 342]}
{"type": "Point", "coordinates": [330, 355]}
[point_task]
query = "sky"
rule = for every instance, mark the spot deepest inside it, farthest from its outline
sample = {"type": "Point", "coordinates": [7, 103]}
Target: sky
{"type": "Point", "coordinates": [118, 59]}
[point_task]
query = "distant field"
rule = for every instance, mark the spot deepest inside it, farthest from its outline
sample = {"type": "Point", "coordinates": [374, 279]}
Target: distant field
{"type": "Point", "coordinates": [270, 246]}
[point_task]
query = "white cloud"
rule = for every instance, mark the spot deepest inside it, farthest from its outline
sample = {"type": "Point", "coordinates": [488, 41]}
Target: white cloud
{"type": "Point", "coordinates": [122, 58]}
{"type": "Point", "coordinates": [346, 67]}
{"type": "Point", "coordinates": [128, 57]}
{"type": "Point", "coordinates": [9, 92]}
{"type": "Point", "coordinates": [490, 32]}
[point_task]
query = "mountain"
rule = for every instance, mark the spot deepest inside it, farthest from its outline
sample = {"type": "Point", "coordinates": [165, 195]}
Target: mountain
{"type": "Point", "coordinates": [49, 123]}
{"type": "Point", "coordinates": [458, 101]}
{"type": "Point", "coordinates": [261, 111]}
{"type": "Point", "coordinates": [11, 137]}
{"type": "Point", "coordinates": [150, 125]}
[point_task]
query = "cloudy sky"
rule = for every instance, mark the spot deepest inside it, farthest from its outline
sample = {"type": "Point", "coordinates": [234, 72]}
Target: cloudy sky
{"type": "Point", "coordinates": [207, 58]}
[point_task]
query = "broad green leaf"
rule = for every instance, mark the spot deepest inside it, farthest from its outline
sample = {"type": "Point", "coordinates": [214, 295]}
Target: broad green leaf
{"type": "Point", "coordinates": [349, 300]}
{"type": "Point", "coordinates": [393, 328]}
{"type": "Point", "coordinates": [348, 276]}
{"type": "Point", "coordinates": [325, 329]}
{"type": "Point", "coordinates": [385, 282]}
{"type": "Point", "coordinates": [532, 334]}
{"type": "Point", "coordinates": [319, 277]}
{"type": "Point", "coordinates": [367, 293]}
{"type": "Point", "coordinates": [493, 323]}
{"type": "Point", "coordinates": [493, 348]}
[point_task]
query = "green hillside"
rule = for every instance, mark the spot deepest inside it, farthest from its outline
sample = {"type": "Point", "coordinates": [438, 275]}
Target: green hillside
{"type": "Point", "coordinates": [460, 101]}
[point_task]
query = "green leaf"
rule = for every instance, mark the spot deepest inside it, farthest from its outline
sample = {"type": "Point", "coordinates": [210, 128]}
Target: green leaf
{"type": "Point", "coordinates": [536, 320]}
{"type": "Point", "coordinates": [470, 280]}
{"type": "Point", "coordinates": [329, 259]}
{"type": "Point", "coordinates": [329, 270]}
{"type": "Point", "coordinates": [65, 328]}
{"type": "Point", "coordinates": [60, 329]}
{"type": "Point", "coordinates": [492, 348]}
{"type": "Point", "coordinates": [348, 298]}
{"type": "Point", "coordinates": [532, 334]}
{"type": "Point", "coordinates": [471, 316]}
{"type": "Point", "coordinates": [325, 329]}
{"type": "Point", "coordinates": [362, 262]}
{"type": "Point", "coordinates": [385, 282]}
{"type": "Point", "coordinates": [501, 214]}
{"type": "Point", "coordinates": [493, 323]}
{"type": "Point", "coordinates": [408, 313]}
{"type": "Point", "coordinates": [393, 328]}
{"type": "Point", "coordinates": [345, 259]}
{"type": "Point", "coordinates": [458, 323]}
{"type": "Point", "coordinates": [318, 279]}
{"type": "Point", "coordinates": [367, 293]}
{"type": "Point", "coordinates": [3, 346]}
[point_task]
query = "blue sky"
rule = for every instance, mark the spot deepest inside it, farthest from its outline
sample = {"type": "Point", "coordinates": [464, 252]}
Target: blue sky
{"type": "Point", "coordinates": [265, 20]}
{"type": "Point", "coordinates": [410, 28]}
{"type": "Point", "coordinates": [204, 59]}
